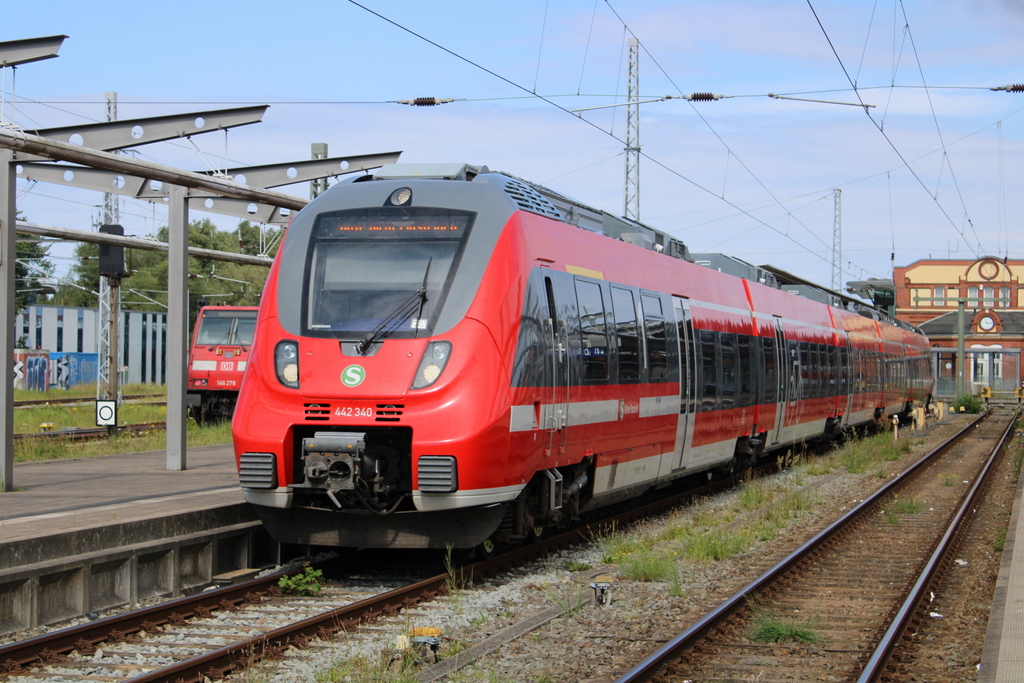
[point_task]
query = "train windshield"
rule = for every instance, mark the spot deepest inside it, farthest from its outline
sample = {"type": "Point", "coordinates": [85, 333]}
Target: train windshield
{"type": "Point", "coordinates": [385, 270]}
{"type": "Point", "coordinates": [232, 328]}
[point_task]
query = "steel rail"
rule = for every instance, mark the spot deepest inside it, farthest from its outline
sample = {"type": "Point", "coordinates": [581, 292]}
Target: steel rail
{"type": "Point", "coordinates": [88, 433]}
{"type": "Point", "coordinates": [116, 627]}
{"type": "Point", "coordinates": [876, 666]}
{"type": "Point", "coordinates": [650, 666]}
{"type": "Point", "coordinates": [84, 399]}
{"type": "Point", "coordinates": [220, 662]}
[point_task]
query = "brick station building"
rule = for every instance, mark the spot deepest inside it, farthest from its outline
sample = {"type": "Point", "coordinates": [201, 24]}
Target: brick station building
{"type": "Point", "coordinates": [993, 323]}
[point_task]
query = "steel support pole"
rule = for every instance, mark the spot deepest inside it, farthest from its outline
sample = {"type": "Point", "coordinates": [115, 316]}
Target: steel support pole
{"type": "Point", "coordinates": [8, 206]}
{"type": "Point", "coordinates": [177, 327]}
{"type": "Point", "coordinates": [961, 308]}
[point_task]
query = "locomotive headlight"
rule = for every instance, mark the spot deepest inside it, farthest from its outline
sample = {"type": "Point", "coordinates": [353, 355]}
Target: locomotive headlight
{"type": "Point", "coordinates": [435, 357]}
{"type": "Point", "coordinates": [399, 197]}
{"type": "Point", "coordinates": [286, 363]}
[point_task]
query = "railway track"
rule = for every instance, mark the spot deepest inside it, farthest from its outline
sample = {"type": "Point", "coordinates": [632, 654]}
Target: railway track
{"type": "Point", "coordinates": [90, 433]}
{"type": "Point", "coordinates": [855, 586]}
{"type": "Point", "coordinates": [81, 401]}
{"type": "Point", "coordinates": [143, 645]}
{"type": "Point", "coordinates": [122, 642]}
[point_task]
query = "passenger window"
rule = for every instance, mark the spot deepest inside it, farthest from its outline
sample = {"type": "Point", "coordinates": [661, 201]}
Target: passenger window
{"type": "Point", "coordinates": [709, 371]}
{"type": "Point", "coordinates": [594, 329]}
{"type": "Point", "coordinates": [806, 378]}
{"type": "Point", "coordinates": [728, 386]}
{"type": "Point", "coordinates": [626, 329]}
{"type": "Point", "coordinates": [744, 371]}
{"type": "Point", "coordinates": [657, 346]}
{"type": "Point", "coordinates": [771, 378]}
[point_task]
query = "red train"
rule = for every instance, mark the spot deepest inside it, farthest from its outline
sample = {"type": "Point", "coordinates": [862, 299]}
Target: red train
{"type": "Point", "coordinates": [451, 356]}
{"type": "Point", "coordinates": [221, 342]}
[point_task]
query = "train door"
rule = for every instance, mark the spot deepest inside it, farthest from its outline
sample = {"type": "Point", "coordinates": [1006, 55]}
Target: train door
{"type": "Point", "coordinates": [846, 372]}
{"type": "Point", "coordinates": [782, 379]}
{"type": "Point", "coordinates": [556, 334]}
{"type": "Point", "coordinates": [687, 377]}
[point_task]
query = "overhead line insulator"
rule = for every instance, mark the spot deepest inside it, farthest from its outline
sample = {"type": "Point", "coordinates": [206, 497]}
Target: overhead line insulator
{"type": "Point", "coordinates": [1016, 87]}
{"type": "Point", "coordinates": [426, 101]}
{"type": "Point", "coordinates": [703, 97]}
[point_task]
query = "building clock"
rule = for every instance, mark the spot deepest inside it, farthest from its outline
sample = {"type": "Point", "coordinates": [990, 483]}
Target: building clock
{"type": "Point", "coordinates": [987, 323]}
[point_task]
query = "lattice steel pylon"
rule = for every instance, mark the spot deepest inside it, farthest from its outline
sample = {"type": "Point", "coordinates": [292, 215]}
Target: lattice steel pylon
{"type": "Point", "coordinates": [318, 185]}
{"type": "Point", "coordinates": [631, 207]}
{"type": "Point", "coordinates": [109, 298]}
{"type": "Point", "coordinates": [837, 243]}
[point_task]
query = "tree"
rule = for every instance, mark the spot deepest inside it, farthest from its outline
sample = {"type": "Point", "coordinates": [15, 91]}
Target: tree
{"type": "Point", "coordinates": [218, 282]}
{"type": "Point", "coordinates": [31, 264]}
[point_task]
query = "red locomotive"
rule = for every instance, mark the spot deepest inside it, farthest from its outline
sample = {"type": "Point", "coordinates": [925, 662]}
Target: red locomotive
{"type": "Point", "coordinates": [451, 356]}
{"type": "Point", "coordinates": [221, 342]}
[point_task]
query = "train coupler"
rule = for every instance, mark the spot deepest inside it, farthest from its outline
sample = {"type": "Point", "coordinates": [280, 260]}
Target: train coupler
{"type": "Point", "coordinates": [333, 459]}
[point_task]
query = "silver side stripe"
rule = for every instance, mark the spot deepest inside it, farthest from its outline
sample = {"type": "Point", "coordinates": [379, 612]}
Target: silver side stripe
{"type": "Point", "coordinates": [524, 418]}
{"type": "Point", "coordinates": [652, 406]}
{"type": "Point", "coordinates": [593, 412]}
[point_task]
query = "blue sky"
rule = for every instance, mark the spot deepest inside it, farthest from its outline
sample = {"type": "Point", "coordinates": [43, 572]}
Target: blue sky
{"type": "Point", "coordinates": [934, 171]}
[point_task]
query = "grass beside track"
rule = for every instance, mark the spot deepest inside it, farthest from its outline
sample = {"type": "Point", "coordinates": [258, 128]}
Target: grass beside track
{"type": "Point", "coordinates": [28, 420]}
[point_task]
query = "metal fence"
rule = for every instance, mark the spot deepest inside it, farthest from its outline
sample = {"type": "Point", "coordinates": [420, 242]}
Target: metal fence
{"type": "Point", "coordinates": [993, 367]}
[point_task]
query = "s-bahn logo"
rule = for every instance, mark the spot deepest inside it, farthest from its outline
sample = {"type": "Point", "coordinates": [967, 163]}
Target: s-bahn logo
{"type": "Point", "coordinates": [353, 376]}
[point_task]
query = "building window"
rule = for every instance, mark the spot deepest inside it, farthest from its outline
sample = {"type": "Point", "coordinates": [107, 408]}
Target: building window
{"type": "Point", "coordinates": [990, 297]}
{"type": "Point", "coordinates": [972, 293]}
{"type": "Point", "coordinates": [939, 293]}
{"type": "Point", "coordinates": [1004, 293]}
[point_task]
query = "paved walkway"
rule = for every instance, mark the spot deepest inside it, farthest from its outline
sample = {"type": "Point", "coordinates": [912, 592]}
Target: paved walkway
{"type": "Point", "coordinates": [61, 495]}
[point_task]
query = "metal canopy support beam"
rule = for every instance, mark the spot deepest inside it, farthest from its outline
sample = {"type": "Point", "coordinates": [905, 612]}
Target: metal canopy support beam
{"type": "Point", "coordinates": [111, 135]}
{"type": "Point", "coordinates": [177, 328]}
{"type": "Point", "coordinates": [137, 243]}
{"type": "Point", "coordinates": [8, 185]}
{"type": "Point", "coordinates": [15, 52]}
{"type": "Point", "coordinates": [276, 175]}
{"type": "Point", "coordinates": [260, 176]}
{"type": "Point", "coordinates": [141, 188]}
{"type": "Point", "coordinates": [60, 151]}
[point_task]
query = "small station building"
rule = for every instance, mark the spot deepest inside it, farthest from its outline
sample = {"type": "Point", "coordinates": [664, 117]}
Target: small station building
{"type": "Point", "coordinates": [976, 303]}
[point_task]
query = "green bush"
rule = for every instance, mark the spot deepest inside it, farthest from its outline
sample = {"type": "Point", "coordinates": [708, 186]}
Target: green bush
{"type": "Point", "coordinates": [969, 402]}
{"type": "Point", "coordinates": [306, 582]}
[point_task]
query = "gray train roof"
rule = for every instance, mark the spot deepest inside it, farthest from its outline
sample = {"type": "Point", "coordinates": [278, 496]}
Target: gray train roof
{"type": "Point", "coordinates": [541, 200]}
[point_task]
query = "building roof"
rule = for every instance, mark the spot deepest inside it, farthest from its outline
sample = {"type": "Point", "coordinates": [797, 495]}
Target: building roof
{"type": "Point", "coordinates": [945, 325]}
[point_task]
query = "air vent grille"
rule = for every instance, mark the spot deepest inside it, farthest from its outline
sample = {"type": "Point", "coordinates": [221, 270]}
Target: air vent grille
{"type": "Point", "coordinates": [257, 471]}
{"type": "Point", "coordinates": [530, 199]}
{"type": "Point", "coordinates": [317, 411]}
{"type": "Point", "coordinates": [389, 412]}
{"type": "Point", "coordinates": [437, 474]}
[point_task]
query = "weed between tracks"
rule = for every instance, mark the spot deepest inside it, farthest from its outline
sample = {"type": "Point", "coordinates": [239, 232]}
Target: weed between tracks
{"type": "Point", "coordinates": [661, 553]}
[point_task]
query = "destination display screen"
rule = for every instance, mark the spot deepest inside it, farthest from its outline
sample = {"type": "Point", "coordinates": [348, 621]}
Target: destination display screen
{"type": "Point", "coordinates": [417, 223]}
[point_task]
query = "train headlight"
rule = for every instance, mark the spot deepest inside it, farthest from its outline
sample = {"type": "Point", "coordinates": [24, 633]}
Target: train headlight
{"type": "Point", "coordinates": [286, 362]}
{"type": "Point", "coordinates": [435, 357]}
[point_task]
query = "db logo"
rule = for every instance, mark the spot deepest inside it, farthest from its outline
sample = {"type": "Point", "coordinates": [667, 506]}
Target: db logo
{"type": "Point", "coordinates": [353, 375]}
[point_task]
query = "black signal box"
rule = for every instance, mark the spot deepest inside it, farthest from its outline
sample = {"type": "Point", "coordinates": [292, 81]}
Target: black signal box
{"type": "Point", "coordinates": [112, 256]}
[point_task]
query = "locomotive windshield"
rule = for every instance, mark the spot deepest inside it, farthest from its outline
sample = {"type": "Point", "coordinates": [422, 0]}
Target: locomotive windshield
{"type": "Point", "coordinates": [226, 327]}
{"type": "Point", "coordinates": [385, 266]}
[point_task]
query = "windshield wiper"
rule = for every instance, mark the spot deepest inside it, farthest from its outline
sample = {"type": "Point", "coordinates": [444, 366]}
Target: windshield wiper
{"type": "Point", "coordinates": [419, 296]}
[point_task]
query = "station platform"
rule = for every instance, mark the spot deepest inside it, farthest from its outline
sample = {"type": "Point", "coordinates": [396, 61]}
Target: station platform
{"type": "Point", "coordinates": [78, 536]}
{"type": "Point", "coordinates": [1002, 660]}
{"type": "Point", "coordinates": [55, 496]}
